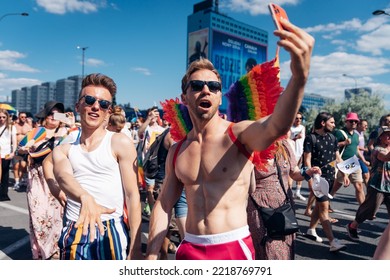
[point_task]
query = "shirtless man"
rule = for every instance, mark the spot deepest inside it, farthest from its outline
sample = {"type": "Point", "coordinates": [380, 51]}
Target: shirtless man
{"type": "Point", "coordinates": [20, 161]}
{"type": "Point", "coordinates": [212, 167]}
{"type": "Point", "coordinates": [98, 175]}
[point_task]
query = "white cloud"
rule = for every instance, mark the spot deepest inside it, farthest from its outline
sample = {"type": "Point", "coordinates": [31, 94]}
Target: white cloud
{"type": "Point", "coordinates": [8, 61]}
{"type": "Point", "coordinates": [254, 7]}
{"type": "Point", "coordinates": [9, 84]}
{"type": "Point", "coordinates": [63, 6]}
{"type": "Point", "coordinates": [94, 62]}
{"type": "Point", "coordinates": [326, 73]}
{"type": "Point", "coordinates": [375, 42]}
{"type": "Point", "coordinates": [144, 71]}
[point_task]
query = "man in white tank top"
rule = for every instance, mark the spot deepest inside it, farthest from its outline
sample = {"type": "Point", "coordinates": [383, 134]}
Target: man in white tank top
{"type": "Point", "coordinates": [98, 174]}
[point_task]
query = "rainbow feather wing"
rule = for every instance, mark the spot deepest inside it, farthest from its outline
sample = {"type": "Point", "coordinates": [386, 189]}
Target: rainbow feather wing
{"type": "Point", "coordinates": [253, 97]}
{"type": "Point", "coordinates": [176, 113]}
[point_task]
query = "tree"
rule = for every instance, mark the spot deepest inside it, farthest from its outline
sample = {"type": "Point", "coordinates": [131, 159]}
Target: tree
{"type": "Point", "coordinates": [367, 106]}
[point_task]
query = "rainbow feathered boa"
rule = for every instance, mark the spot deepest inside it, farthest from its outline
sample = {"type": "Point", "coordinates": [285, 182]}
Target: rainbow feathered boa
{"type": "Point", "coordinates": [252, 97]}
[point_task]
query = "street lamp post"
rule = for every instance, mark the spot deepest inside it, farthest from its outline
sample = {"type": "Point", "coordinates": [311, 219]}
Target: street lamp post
{"type": "Point", "coordinates": [83, 60]}
{"type": "Point", "coordinates": [380, 12]}
{"type": "Point", "coordinates": [346, 75]}
{"type": "Point", "coordinates": [13, 14]}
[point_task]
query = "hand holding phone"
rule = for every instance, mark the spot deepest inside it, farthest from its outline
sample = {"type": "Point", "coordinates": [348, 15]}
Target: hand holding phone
{"type": "Point", "coordinates": [61, 117]}
{"type": "Point", "coordinates": [277, 13]}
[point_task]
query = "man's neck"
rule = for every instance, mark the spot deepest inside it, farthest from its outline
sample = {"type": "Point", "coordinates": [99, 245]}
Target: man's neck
{"type": "Point", "coordinates": [350, 130]}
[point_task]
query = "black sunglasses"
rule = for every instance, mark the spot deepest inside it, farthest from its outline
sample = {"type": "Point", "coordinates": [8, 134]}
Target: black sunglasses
{"type": "Point", "coordinates": [90, 100]}
{"type": "Point", "coordinates": [197, 85]}
{"type": "Point", "coordinates": [353, 121]}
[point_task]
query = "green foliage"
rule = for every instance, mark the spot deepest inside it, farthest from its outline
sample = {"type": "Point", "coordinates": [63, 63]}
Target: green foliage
{"type": "Point", "coordinates": [367, 106]}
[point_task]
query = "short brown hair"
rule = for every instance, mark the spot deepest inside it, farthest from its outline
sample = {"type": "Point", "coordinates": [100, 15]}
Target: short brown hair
{"type": "Point", "coordinates": [197, 65]}
{"type": "Point", "coordinates": [98, 79]}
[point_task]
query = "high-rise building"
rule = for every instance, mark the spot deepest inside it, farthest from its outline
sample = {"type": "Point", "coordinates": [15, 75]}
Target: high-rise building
{"type": "Point", "coordinates": [33, 99]}
{"type": "Point", "coordinates": [316, 101]}
{"type": "Point", "coordinates": [232, 46]}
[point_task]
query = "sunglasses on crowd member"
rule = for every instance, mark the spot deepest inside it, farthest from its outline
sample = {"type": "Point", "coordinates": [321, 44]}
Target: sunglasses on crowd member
{"type": "Point", "coordinates": [197, 85]}
{"type": "Point", "coordinates": [352, 121]}
{"type": "Point", "coordinates": [90, 100]}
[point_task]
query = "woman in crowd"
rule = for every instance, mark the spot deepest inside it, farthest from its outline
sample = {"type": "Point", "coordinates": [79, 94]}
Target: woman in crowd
{"type": "Point", "coordinates": [269, 193]}
{"type": "Point", "coordinates": [45, 210]}
{"type": "Point", "coordinates": [7, 149]}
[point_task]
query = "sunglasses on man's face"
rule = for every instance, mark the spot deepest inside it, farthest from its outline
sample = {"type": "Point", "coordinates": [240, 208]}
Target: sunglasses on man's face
{"type": "Point", "coordinates": [90, 100]}
{"type": "Point", "coordinates": [197, 85]}
{"type": "Point", "coordinates": [353, 121]}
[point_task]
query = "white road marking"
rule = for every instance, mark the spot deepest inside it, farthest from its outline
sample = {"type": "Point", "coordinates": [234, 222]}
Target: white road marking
{"type": "Point", "coordinates": [14, 208]}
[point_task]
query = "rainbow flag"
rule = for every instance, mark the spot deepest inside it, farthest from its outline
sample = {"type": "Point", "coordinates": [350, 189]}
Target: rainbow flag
{"type": "Point", "coordinates": [35, 135]}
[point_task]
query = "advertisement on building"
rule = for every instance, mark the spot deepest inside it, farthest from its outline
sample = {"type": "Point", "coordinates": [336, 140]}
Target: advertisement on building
{"type": "Point", "coordinates": [197, 45]}
{"type": "Point", "coordinates": [233, 57]}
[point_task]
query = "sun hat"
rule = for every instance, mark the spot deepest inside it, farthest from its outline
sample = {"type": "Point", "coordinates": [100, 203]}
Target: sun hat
{"type": "Point", "coordinates": [351, 116]}
{"type": "Point", "coordinates": [48, 107]}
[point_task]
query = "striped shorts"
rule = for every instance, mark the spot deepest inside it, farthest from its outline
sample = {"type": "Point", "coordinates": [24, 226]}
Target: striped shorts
{"type": "Point", "coordinates": [113, 245]}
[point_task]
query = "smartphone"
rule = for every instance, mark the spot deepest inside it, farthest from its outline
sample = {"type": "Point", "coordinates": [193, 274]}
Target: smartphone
{"type": "Point", "coordinates": [61, 117]}
{"type": "Point", "coordinates": [277, 13]}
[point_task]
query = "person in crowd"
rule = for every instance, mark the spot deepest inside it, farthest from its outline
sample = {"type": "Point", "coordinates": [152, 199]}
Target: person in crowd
{"type": "Point", "coordinates": [378, 189]}
{"type": "Point", "coordinates": [268, 193]}
{"type": "Point", "coordinates": [95, 227]}
{"type": "Point", "coordinates": [321, 149]}
{"type": "Point", "coordinates": [360, 130]}
{"type": "Point", "coordinates": [117, 122]}
{"type": "Point", "coordinates": [382, 251]}
{"type": "Point", "coordinates": [45, 210]}
{"type": "Point", "coordinates": [373, 137]}
{"type": "Point", "coordinates": [20, 161]}
{"type": "Point", "coordinates": [8, 146]}
{"type": "Point", "coordinates": [147, 133]}
{"type": "Point", "coordinates": [348, 142]}
{"type": "Point", "coordinates": [298, 133]}
{"type": "Point", "coordinates": [217, 180]}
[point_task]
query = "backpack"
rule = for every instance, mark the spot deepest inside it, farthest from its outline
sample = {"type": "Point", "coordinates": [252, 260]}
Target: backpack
{"type": "Point", "coordinates": [150, 163]}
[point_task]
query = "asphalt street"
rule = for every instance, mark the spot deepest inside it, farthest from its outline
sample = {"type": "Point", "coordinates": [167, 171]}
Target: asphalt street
{"type": "Point", "coordinates": [15, 245]}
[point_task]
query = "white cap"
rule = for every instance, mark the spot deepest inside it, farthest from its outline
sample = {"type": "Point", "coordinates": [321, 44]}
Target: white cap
{"type": "Point", "coordinates": [320, 186]}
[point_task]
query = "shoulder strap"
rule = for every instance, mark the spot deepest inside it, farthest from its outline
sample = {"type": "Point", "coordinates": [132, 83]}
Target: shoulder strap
{"type": "Point", "coordinates": [239, 145]}
{"type": "Point", "coordinates": [313, 138]}
{"type": "Point", "coordinates": [177, 152]}
{"type": "Point", "coordinates": [280, 179]}
{"type": "Point", "coordinates": [346, 137]}
{"type": "Point", "coordinates": [5, 127]}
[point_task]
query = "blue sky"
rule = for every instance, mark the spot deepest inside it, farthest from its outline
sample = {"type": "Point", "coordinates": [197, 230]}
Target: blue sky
{"type": "Point", "coordinates": [142, 44]}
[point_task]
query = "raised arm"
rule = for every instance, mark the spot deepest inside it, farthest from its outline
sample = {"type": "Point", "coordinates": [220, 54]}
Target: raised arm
{"type": "Point", "coordinates": [127, 159]}
{"type": "Point", "coordinates": [300, 45]}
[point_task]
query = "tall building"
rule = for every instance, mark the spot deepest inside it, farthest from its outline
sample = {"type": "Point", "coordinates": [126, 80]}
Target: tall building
{"type": "Point", "coordinates": [348, 93]}
{"type": "Point", "coordinates": [33, 99]}
{"type": "Point", "coordinates": [229, 44]}
{"type": "Point", "coordinates": [315, 101]}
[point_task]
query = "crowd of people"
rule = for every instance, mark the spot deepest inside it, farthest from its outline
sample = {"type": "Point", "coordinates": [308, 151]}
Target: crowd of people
{"type": "Point", "coordinates": [84, 177]}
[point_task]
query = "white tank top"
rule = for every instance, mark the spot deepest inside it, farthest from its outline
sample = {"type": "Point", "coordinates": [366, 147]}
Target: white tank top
{"type": "Point", "coordinates": [98, 173]}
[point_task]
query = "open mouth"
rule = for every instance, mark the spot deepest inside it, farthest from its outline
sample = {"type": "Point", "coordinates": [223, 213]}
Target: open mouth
{"type": "Point", "coordinates": [205, 104]}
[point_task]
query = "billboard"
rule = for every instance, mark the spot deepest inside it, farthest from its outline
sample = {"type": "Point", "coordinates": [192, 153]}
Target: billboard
{"type": "Point", "coordinates": [233, 57]}
{"type": "Point", "coordinates": [198, 45]}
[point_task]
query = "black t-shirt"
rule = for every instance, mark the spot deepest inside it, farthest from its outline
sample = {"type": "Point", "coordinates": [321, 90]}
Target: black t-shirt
{"type": "Point", "coordinates": [323, 151]}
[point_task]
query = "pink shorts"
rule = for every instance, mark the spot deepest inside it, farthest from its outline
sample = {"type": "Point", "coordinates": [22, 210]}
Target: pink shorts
{"type": "Point", "coordinates": [232, 245]}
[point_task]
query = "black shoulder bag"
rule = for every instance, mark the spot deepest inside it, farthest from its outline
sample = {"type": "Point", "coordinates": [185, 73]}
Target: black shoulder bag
{"type": "Point", "coordinates": [279, 221]}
